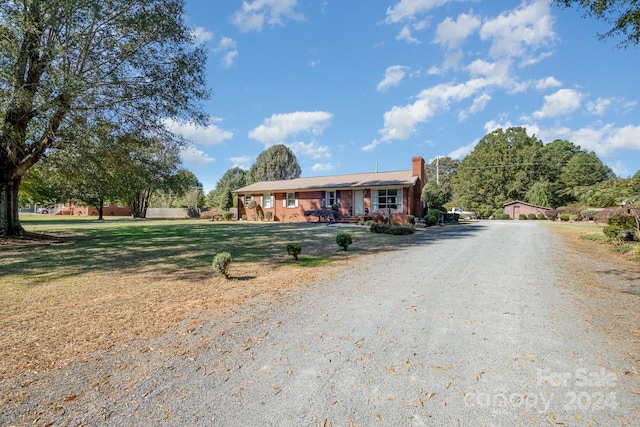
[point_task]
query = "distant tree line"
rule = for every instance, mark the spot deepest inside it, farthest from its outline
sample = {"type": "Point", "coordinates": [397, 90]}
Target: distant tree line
{"type": "Point", "coordinates": [509, 165]}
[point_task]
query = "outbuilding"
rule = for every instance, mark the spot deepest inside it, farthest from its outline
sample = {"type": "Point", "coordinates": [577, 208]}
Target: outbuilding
{"type": "Point", "coordinates": [517, 207]}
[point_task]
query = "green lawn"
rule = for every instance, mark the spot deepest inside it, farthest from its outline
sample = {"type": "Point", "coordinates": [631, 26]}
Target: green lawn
{"type": "Point", "coordinates": [87, 245]}
{"type": "Point", "coordinates": [95, 284]}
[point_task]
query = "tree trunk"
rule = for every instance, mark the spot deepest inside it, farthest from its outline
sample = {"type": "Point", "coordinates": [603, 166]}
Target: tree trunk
{"type": "Point", "coordinates": [100, 209]}
{"type": "Point", "coordinates": [9, 220]}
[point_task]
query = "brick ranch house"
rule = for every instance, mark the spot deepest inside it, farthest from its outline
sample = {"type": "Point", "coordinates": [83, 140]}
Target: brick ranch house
{"type": "Point", "coordinates": [356, 195]}
{"type": "Point", "coordinates": [516, 207]}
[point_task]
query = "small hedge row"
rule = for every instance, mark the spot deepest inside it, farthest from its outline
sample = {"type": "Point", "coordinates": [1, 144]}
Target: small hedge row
{"type": "Point", "coordinates": [397, 230]}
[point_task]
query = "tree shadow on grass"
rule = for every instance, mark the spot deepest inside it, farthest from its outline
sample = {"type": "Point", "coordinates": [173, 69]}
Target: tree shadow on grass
{"type": "Point", "coordinates": [185, 249]}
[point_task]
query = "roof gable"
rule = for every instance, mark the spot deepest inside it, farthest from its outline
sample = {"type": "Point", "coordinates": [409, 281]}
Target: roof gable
{"type": "Point", "coordinates": [519, 202]}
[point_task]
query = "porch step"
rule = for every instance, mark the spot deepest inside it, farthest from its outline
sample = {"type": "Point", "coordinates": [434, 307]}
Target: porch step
{"type": "Point", "coordinates": [349, 219]}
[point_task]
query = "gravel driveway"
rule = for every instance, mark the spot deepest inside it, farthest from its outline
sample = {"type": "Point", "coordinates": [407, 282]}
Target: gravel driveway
{"type": "Point", "coordinates": [473, 325]}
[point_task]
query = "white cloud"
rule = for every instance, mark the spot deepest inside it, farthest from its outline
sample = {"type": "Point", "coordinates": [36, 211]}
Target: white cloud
{"type": "Point", "coordinates": [408, 9]}
{"type": "Point", "coordinates": [392, 77]}
{"type": "Point", "coordinates": [599, 106]}
{"type": "Point", "coordinates": [194, 157]}
{"type": "Point", "coordinates": [279, 127]}
{"type": "Point", "coordinates": [209, 135]}
{"type": "Point", "coordinates": [227, 47]}
{"type": "Point", "coordinates": [243, 162]}
{"type": "Point", "coordinates": [229, 58]}
{"type": "Point", "coordinates": [254, 14]}
{"type": "Point", "coordinates": [520, 32]}
{"type": "Point", "coordinates": [452, 33]}
{"type": "Point", "coordinates": [322, 167]}
{"type": "Point", "coordinates": [226, 43]}
{"type": "Point", "coordinates": [400, 122]}
{"type": "Point", "coordinates": [548, 83]}
{"type": "Point", "coordinates": [562, 102]}
{"type": "Point", "coordinates": [201, 34]}
{"type": "Point", "coordinates": [310, 149]}
{"type": "Point", "coordinates": [604, 140]}
{"type": "Point", "coordinates": [405, 34]}
{"type": "Point", "coordinates": [479, 104]}
{"type": "Point", "coordinates": [620, 169]}
{"type": "Point", "coordinates": [461, 152]}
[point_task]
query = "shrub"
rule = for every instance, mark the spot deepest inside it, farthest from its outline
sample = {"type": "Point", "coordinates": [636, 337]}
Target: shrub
{"type": "Point", "coordinates": [293, 249]}
{"type": "Point", "coordinates": [502, 216]}
{"type": "Point", "coordinates": [343, 240]}
{"type": "Point", "coordinates": [541, 216]}
{"type": "Point", "coordinates": [565, 217]}
{"type": "Point", "coordinates": [621, 228]}
{"type": "Point", "coordinates": [430, 220]}
{"type": "Point", "coordinates": [552, 214]}
{"type": "Point", "coordinates": [261, 215]}
{"type": "Point", "coordinates": [254, 217]}
{"type": "Point", "coordinates": [410, 219]}
{"type": "Point", "coordinates": [251, 204]}
{"type": "Point", "coordinates": [227, 215]}
{"type": "Point", "coordinates": [588, 215]}
{"type": "Point", "coordinates": [522, 216]}
{"type": "Point", "coordinates": [221, 264]}
{"type": "Point", "coordinates": [434, 212]}
{"type": "Point", "coordinates": [244, 217]}
{"type": "Point", "coordinates": [498, 212]}
{"type": "Point", "coordinates": [213, 214]}
{"type": "Point", "coordinates": [532, 216]}
{"type": "Point", "coordinates": [268, 215]}
{"type": "Point", "coordinates": [397, 230]}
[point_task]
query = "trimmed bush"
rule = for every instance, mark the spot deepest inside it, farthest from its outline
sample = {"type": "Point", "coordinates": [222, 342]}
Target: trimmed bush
{"type": "Point", "coordinates": [227, 216]}
{"type": "Point", "coordinates": [213, 214]}
{"type": "Point", "coordinates": [221, 264]}
{"type": "Point", "coordinates": [588, 215]}
{"type": "Point", "coordinates": [541, 216]}
{"type": "Point", "coordinates": [532, 216]}
{"type": "Point", "coordinates": [522, 216]}
{"type": "Point", "coordinates": [498, 212]}
{"type": "Point", "coordinates": [621, 228]}
{"type": "Point", "coordinates": [293, 249]}
{"type": "Point", "coordinates": [434, 212]}
{"type": "Point", "coordinates": [430, 220]}
{"type": "Point", "coordinates": [397, 230]}
{"type": "Point", "coordinates": [565, 217]}
{"type": "Point", "coordinates": [268, 215]}
{"type": "Point", "coordinates": [411, 219]}
{"type": "Point", "coordinates": [502, 216]}
{"type": "Point", "coordinates": [343, 240]}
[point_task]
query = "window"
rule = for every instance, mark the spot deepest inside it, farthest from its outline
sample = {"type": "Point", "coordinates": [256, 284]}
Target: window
{"type": "Point", "coordinates": [330, 198]}
{"type": "Point", "coordinates": [390, 198]}
{"type": "Point", "coordinates": [268, 202]}
{"type": "Point", "coordinates": [292, 200]}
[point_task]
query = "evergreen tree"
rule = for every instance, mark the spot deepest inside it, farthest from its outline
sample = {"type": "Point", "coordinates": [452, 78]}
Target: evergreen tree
{"type": "Point", "coordinates": [275, 163]}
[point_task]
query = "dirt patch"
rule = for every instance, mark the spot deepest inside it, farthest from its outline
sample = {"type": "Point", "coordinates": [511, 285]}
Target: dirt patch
{"type": "Point", "coordinates": [48, 327]}
{"type": "Point", "coordinates": [609, 286]}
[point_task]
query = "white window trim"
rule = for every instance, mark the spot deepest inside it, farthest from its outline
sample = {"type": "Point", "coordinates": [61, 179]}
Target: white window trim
{"type": "Point", "coordinates": [327, 199]}
{"type": "Point", "coordinates": [285, 201]}
{"type": "Point", "coordinates": [269, 198]}
{"type": "Point", "coordinates": [375, 202]}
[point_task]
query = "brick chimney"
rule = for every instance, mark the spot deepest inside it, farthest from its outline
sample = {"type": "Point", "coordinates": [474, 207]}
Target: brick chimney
{"type": "Point", "coordinates": [417, 168]}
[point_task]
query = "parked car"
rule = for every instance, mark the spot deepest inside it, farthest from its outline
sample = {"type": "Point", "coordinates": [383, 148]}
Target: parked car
{"type": "Point", "coordinates": [463, 214]}
{"type": "Point", "coordinates": [44, 210]}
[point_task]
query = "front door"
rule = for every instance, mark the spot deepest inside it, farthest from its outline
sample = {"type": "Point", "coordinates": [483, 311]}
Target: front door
{"type": "Point", "coordinates": [358, 202]}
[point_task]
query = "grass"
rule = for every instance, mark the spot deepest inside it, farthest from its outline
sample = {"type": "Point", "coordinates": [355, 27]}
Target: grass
{"type": "Point", "coordinates": [92, 285]}
{"type": "Point", "coordinates": [589, 237]}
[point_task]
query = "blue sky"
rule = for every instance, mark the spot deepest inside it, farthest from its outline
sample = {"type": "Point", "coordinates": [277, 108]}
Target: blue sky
{"type": "Point", "coordinates": [351, 85]}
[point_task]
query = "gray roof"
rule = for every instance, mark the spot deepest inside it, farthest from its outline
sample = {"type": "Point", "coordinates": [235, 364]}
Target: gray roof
{"type": "Point", "coordinates": [357, 180]}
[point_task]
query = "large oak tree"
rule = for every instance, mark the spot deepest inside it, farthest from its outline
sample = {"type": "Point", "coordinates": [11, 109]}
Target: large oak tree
{"type": "Point", "coordinates": [70, 62]}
